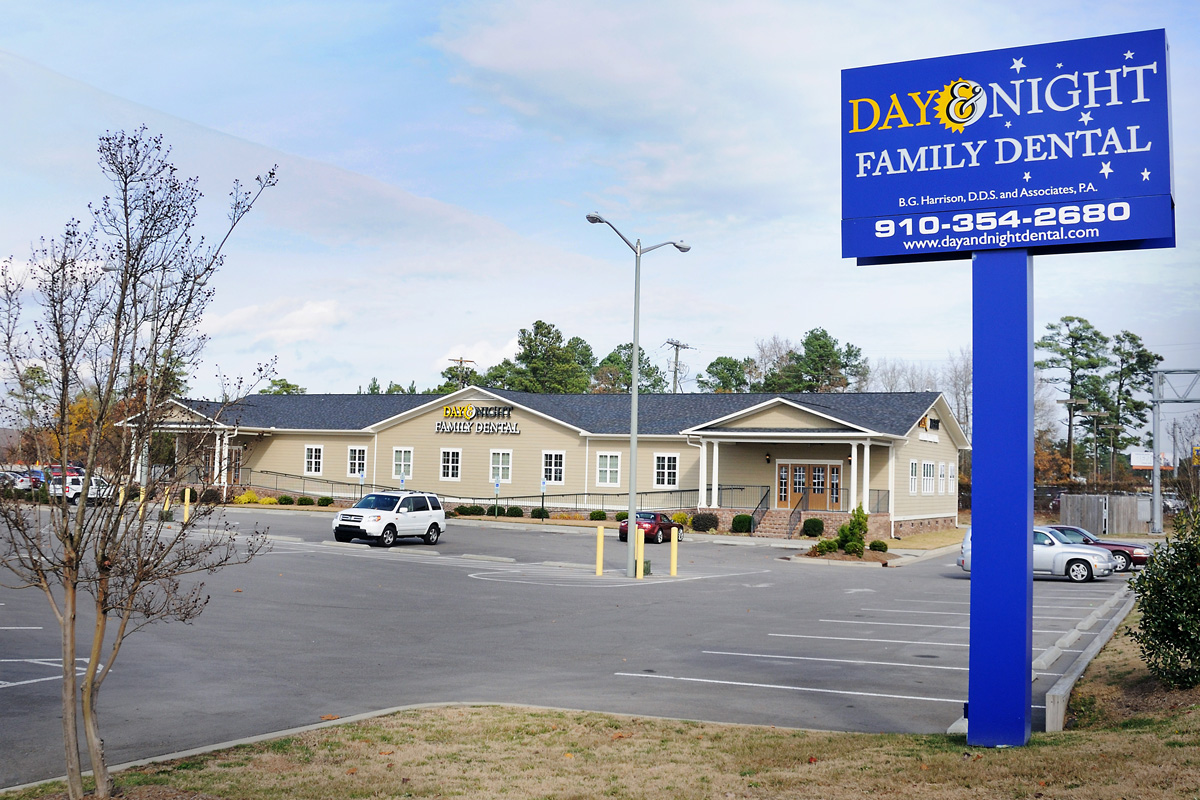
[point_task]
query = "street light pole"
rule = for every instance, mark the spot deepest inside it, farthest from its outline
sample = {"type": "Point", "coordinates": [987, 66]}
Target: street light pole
{"type": "Point", "coordinates": [1111, 452]}
{"type": "Point", "coordinates": [1071, 401]}
{"type": "Point", "coordinates": [1095, 455]}
{"type": "Point", "coordinates": [634, 357]}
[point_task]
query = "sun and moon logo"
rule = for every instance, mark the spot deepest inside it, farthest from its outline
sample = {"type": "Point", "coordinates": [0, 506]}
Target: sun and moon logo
{"type": "Point", "coordinates": [960, 103]}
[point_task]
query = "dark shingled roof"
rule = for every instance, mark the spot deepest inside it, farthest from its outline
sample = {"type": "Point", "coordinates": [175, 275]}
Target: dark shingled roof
{"type": "Point", "coordinates": [884, 412]}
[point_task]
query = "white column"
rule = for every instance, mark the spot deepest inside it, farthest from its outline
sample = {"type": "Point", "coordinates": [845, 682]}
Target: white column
{"type": "Point", "coordinates": [853, 475]}
{"type": "Point", "coordinates": [224, 464]}
{"type": "Point", "coordinates": [867, 476]}
{"type": "Point", "coordinates": [892, 489]}
{"type": "Point", "coordinates": [716, 495]}
{"type": "Point", "coordinates": [703, 474]}
{"type": "Point", "coordinates": [216, 473]}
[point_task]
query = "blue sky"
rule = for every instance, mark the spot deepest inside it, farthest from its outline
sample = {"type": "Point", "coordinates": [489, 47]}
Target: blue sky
{"type": "Point", "coordinates": [437, 161]}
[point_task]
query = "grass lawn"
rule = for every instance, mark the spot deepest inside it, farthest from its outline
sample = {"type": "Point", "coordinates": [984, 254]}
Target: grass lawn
{"type": "Point", "coordinates": [1129, 738]}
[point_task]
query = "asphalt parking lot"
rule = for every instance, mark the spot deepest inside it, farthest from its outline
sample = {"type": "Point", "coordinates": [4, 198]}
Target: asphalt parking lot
{"type": "Point", "coordinates": [517, 615]}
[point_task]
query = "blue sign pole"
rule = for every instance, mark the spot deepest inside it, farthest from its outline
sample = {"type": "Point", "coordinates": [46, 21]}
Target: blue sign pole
{"type": "Point", "coordinates": [1001, 661]}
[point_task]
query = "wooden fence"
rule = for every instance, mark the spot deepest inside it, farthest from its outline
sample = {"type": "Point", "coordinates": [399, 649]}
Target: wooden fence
{"type": "Point", "coordinates": [1105, 514]}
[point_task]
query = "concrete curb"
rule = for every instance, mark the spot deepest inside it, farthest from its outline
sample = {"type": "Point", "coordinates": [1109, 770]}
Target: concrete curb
{"type": "Point", "coordinates": [903, 561]}
{"type": "Point", "coordinates": [1060, 692]}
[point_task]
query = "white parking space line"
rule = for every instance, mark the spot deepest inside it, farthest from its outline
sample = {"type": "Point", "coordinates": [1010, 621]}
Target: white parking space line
{"type": "Point", "coordinates": [967, 603]}
{"type": "Point", "coordinates": [912, 625]}
{"type": "Point", "coordinates": [834, 660]}
{"type": "Point", "coordinates": [749, 685]}
{"type": "Point", "coordinates": [53, 663]}
{"type": "Point", "coordinates": [23, 628]}
{"type": "Point", "coordinates": [942, 613]}
{"type": "Point", "coordinates": [890, 641]}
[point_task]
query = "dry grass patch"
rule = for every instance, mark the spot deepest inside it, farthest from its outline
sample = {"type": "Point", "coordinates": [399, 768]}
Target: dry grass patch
{"type": "Point", "coordinates": [929, 540]}
{"type": "Point", "coordinates": [490, 752]}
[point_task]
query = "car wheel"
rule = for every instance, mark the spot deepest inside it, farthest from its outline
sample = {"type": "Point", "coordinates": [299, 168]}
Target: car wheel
{"type": "Point", "coordinates": [679, 534]}
{"type": "Point", "coordinates": [1079, 572]}
{"type": "Point", "coordinates": [1122, 559]}
{"type": "Point", "coordinates": [658, 536]}
{"type": "Point", "coordinates": [431, 535]}
{"type": "Point", "coordinates": [622, 537]}
{"type": "Point", "coordinates": [342, 537]}
{"type": "Point", "coordinates": [389, 536]}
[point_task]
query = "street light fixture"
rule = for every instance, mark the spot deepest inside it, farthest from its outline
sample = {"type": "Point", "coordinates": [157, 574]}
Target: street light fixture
{"type": "Point", "coordinates": [634, 358]}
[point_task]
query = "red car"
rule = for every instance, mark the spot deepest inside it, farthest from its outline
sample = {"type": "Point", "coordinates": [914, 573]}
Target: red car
{"type": "Point", "coordinates": [1126, 555]}
{"type": "Point", "coordinates": [654, 525]}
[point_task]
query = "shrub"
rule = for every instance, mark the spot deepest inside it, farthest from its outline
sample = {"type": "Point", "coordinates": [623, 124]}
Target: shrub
{"type": "Point", "coordinates": [285, 500]}
{"type": "Point", "coordinates": [539, 513]}
{"type": "Point", "coordinates": [514, 511]}
{"type": "Point", "coordinates": [246, 497]}
{"type": "Point", "coordinates": [879, 546]}
{"type": "Point", "coordinates": [599, 515]}
{"type": "Point", "coordinates": [469, 511]}
{"type": "Point", "coordinates": [268, 501]}
{"type": "Point", "coordinates": [210, 496]}
{"type": "Point", "coordinates": [449, 514]}
{"type": "Point", "coordinates": [304, 501]}
{"type": "Point", "coordinates": [494, 510]}
{"type": "Point", "coordinates": [742, 523]}
{"type": "Point", "coordinates": [682, 518]}
{"type": "Point", "coordinates": [1169, 597]}
{"type": "Point", "coordinates": [324, 501]}
{"type": "Point", "coordinates": [824, 546]}
{"type": "Point", "coordinates": [704, 521]}
{"type": "Point", "coordinates": [166, 516]}
{"type": "Point", "coordinates": [813, 526]}
{"type": "Point", "coordinates": [854, 547]}
{"type": "Point", "coordinates": [621, 516]}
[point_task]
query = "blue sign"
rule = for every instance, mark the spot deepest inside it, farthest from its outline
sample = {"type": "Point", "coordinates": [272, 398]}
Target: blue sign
{"type": "Point", "coordinates": [1049, 148]}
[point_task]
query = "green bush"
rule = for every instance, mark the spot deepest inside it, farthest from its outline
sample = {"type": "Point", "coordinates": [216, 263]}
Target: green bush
{"type": "Point", "coordinates": [742, 523]}
{"type": "Point", "coordinates": [854, 548]}
{"type": "Point", "coordinates": [682, 518]}
{"type": "Point", "coordinates": [879, 546]}
{"type": "Point", "coordinates": [1168, 594]}
{"type": "Point", "coordinates": [209, 496]}
{"type": "Point", "coordinates": [825, 546]}
{"type": "Point", "coordinates": [539, 513]}
{"type": "Point", "coordinates": [324, 501]}
{"type": "Point", "coordinates": [598, 515]}
{"type": "Point", "coordinates": [166, 516]}
{"type": "Point", "coordinates": [450, 514]}
{"type": "Point", "coordinates": [621, 516]}
{"type": "Point", "coordinates": [494, 510]}
{"type": "Point", "coordinates": [41, 495]}
{"type": "Point", "coordinates": [514, 511]}
{"type": "Point", "coordinates": [286, 500]}
{"type": "Point", "coordinates": [704, 521]}
{"type": "Point", "coordinates": [469, 511]}
{"type": "Point", "coordinates": [813, 526]}
{"type": "Point", "coordinates": [304, 501]}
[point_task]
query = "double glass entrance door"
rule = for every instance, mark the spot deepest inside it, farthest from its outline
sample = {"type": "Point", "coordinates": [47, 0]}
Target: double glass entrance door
{"type": "Point", "coordinates": [819, 484]}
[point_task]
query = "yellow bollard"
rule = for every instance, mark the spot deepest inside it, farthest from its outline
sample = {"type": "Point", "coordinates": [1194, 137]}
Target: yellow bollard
{"type": "Point", "coordinates": [142, 503]}
{"type": "Point", "coordinates": [599, 549]}
{"type": "Point", "coordinates": [121, 494]}
{"type": "Point", "coordinates": [674, 549]}
{"type": "Point", "coordinates": [639, 551]}
{"type": "Point", "coordinates": [167, 504]}
{"type": "Point", "coordinates": [187, 503]}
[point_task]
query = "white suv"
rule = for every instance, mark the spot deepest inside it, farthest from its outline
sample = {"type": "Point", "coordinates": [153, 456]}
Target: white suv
{"type": "Point", "coordinates": [99, 490]}
{"type": "Point", "coordinates": [386, 516]}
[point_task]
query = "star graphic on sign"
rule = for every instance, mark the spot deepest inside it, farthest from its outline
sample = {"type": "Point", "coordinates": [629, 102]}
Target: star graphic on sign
{"type": "Point", "coordinates": [1106, 169]}
{"type": "Point", "coordinates": [1018, 65]}
{"type": "Point", "coordinates": [1027, 176]}
{"type": "Point", "coordinates": [1128, 54]}
{"type": "Point", "coordinates": [1145, 174]}
{"type": "Point", "coordinates": [1058, 65]}
{"type": "Point", "coordinates": [1008, 124]}
{"type": "Point", "coordinates": [1085, 117]}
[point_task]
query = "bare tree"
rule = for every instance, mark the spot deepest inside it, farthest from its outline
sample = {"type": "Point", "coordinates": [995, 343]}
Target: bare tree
{"type": "Point", "coordinates": [113, 308]}
{"type": "Point", "coordinates": [770, 355]}
{"type": "Point", "coordinates": [957, 381]}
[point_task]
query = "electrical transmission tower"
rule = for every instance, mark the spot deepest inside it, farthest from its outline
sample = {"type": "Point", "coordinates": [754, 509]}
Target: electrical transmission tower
{"type": "Point", "coordinates": [678, 345]}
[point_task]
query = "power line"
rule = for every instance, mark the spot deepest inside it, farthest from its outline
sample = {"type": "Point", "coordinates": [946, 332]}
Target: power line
{"type": "Point", "coordinates": [678, 345]}
{"type": "Point", "coordinates": [462, 373]}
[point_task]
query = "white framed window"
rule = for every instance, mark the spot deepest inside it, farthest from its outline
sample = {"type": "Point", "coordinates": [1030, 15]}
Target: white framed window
{"type": "Point", "coordinates": [953, 477]}
{"type": "Point", "coordinates": [402, 462]}
{"type": "Point", "coordinates": [912, 477]}
{"type": "Point", "coordinates": [553, 472]}
{"type": "Point", "coordinates": [666, 470]}
{"type": "Point", "coordinates": [502, 466]}
{"type": "Point", "coordinates": [928, 477]}
{"type": "Point", "coordinates": [608, 469]}
{"type": "Point", "coordinates": [314, 456]}
{"type": "Point", "coordinates": [941, 477]}
{"type": "Point", "coordinates": [451, 464]}
{"type": "Point", "coordinates": [356, 461]}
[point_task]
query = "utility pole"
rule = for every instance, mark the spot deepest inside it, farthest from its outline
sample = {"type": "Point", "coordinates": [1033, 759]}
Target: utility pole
{"type": "Point", "coordinates": [678, 345]}
{"type": "Point", "coordinates": [462, 382]}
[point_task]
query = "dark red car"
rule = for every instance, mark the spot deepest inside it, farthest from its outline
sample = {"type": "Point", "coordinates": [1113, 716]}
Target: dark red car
{"type": "Point", "coordinates": [1127, 555]}
{"type": "Point", "coordinates": [654, 525]}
